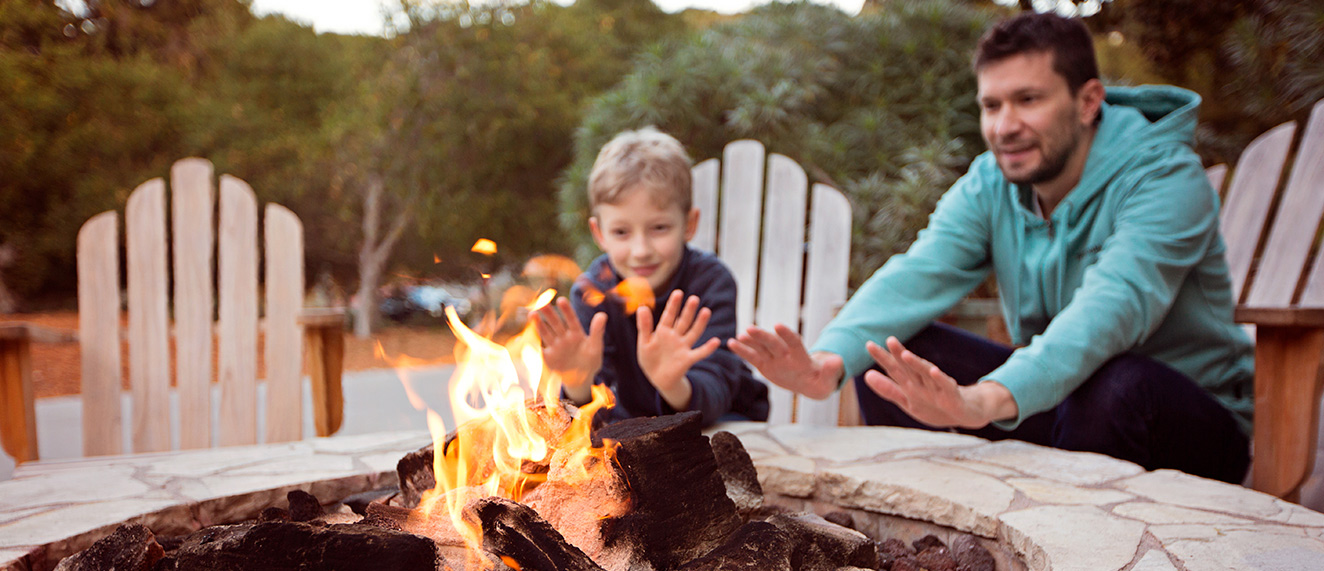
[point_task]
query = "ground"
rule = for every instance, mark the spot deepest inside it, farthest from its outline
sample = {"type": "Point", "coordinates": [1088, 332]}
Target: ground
{"type": "Point", "coordinates": [55, 368]}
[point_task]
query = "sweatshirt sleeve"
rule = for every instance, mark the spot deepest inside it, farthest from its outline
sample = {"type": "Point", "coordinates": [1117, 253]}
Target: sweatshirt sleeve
{"type": "Point", "coordinates": [715, 379]}
{"type": "Point", "coordinates": [948, 260]}
{"type": "Point", "coordinates": [1163, 226]}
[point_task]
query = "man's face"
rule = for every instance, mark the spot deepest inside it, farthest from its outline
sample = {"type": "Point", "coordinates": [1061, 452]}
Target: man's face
{"type": "Point", "coordinates": [1031, 121]}
{"type": "Point", "coordinates": [642, 239]}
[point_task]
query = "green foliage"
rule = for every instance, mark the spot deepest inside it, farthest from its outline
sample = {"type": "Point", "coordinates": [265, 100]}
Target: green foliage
{"type": "Point", "coordinates": [478, 103]}
{"type": "Point", "coordinates": [1256, 63]}
{"type": "Point", "coordinates": [95, 105]}
{"type": "Point", "coordinates": [79, 132]}
{"type": "Point", "coordinates": [881, 105]}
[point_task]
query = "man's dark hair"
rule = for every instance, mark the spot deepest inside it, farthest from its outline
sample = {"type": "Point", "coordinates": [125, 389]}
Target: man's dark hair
{"type": "Point", "coordinates": [1066, 38]}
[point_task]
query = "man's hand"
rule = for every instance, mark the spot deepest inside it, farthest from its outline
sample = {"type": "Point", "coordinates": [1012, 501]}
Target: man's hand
{"type": "Point", "coordinates": [783, 359]}
{"type": "Point", "coordinates": [566, 351]}
{"type": "Point", "coordinates": [668, 352]}
{"type": "Point", "coordinates": [932, 397]}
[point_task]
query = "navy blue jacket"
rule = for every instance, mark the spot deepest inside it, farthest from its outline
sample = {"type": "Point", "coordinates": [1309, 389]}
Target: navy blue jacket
{"type": "Point", "coordinates": [722, 383]}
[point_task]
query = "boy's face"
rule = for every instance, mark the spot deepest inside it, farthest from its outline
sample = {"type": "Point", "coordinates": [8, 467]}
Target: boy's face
{"type": "Point", "coordinates": [642, 239]}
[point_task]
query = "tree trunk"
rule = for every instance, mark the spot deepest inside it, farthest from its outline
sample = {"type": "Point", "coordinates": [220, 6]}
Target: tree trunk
{"type": "Point", "coordinates": [374, 254]}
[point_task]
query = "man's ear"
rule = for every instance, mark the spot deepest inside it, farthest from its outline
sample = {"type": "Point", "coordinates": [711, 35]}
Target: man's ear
{"type": "Point", "coordinates": [596, 230]}
{"type": "Point", "coordinates": [691, 224]}
{"type": "Point", "coordinates": [1090, 99]}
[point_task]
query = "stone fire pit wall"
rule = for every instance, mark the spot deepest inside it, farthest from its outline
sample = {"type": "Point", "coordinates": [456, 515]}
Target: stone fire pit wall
{"type": "Point", "coordinates": [1042, 508]}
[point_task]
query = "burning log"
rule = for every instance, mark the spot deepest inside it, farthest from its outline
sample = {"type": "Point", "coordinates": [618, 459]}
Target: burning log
{"type": "Point", "coordinates": [680, 507]}
{"type": "Point", "coordinates": [132, 547]}
{"type": "Point", "coordinates": [416, 477]}
{"type": "Point", "coordinates": [295, 545]}
{"type": "Point", "coordinates": [520, 538]}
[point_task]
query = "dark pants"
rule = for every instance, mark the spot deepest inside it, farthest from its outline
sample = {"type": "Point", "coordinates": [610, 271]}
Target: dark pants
{"type": "Point", "coordinates": [1134, 408]}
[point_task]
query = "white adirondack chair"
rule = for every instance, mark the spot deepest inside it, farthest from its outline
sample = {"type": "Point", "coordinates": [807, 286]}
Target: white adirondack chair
{"type": "Point", "coordinates": [195, 237]}
{"type": "Point", "coordinates": [785, 274]}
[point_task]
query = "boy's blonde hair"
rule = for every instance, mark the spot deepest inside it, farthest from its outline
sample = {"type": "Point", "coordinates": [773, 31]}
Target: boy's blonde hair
{"type": "Point", "coordinates": [645, 158]}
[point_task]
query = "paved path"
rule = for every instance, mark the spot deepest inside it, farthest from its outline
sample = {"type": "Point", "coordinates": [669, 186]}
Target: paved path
{"type": "Point", "coordinates": [375, 401]}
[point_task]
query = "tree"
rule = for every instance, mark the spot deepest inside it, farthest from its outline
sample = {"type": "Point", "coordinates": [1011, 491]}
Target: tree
{"type": "Point", "coordinates": [1256, 63]}
{"type": "Point", "coordinates": [881, 105]}
{"type": "Point", "coordinates": [462, 135]}
{"type": "Point", "coordinates": [81, 128]}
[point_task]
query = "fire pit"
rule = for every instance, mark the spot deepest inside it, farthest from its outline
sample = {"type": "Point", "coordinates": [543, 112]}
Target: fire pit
{"type": "Point", "coordinates": [1036, 508]}
{"type": "Point", "coordinates": [524, 476]}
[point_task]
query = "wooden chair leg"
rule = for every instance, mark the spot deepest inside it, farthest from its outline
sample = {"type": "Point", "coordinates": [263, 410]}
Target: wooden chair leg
{"type": "Point", "coordinates": [849, 411]}
{"type": "Point", "coordinates": [1288, 383]}
{"type": "Point", "coordinates": [18, 421]}
{"type": "Point", "coordinates": [326, 356]}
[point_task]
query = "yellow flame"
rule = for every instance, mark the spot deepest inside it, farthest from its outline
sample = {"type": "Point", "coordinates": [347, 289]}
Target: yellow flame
{"type": "Point", "coordinates": [499, 430]}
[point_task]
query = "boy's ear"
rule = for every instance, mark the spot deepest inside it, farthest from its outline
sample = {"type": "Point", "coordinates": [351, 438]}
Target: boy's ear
{"type": "Point", "coordinates": [691, 224]}
{"type": "Point", "coordinates": [596, 230]}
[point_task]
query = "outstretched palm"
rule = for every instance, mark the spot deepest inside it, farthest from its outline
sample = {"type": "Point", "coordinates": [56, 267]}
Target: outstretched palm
{"type": "Point", "coordinates": [566, 350]}
{"type": "Point", "coordinates": [667, 352]}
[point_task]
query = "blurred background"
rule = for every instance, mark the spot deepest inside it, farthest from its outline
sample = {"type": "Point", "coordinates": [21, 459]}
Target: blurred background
{"type": "Point", "coordinates": [402, 131]}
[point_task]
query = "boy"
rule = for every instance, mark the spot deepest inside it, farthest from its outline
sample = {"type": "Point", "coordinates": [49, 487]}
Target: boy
{"type": "Point", "coordinates": [641, 217]}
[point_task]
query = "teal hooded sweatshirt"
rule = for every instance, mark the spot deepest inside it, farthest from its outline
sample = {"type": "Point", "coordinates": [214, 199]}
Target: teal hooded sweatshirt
{"type": "Point", "coordinates": [1131, 260]}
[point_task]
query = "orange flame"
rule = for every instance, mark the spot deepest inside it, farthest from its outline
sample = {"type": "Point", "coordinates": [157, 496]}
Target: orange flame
{"type": "Point", "coordinates": [510, 422]}
{"type": "Point", "coordinates": [634, 292]}
{"type": "Point", "coordinates": [485, 247]}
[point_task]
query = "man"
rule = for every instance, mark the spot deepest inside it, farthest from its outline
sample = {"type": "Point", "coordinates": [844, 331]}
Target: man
{"type": "Point", "coordinates": [1102, 230]}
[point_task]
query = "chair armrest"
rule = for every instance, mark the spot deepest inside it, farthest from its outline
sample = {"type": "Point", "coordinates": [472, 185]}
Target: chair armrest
{"type": "Point", "coordinates": [19, 331]}
{"type": "Point", "coordinates": [324, 341]}
{"type": "Point", "coordinates": [1280, 316]}
{"type": "Point", "coordinates": [321, 316]}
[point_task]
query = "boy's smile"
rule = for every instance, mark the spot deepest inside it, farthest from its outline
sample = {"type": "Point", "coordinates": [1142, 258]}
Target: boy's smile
{"type": "Point", "coordinates": [641, 238]}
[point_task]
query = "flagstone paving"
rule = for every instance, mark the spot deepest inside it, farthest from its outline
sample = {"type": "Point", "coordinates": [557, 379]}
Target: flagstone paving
{"type": "Point", "coordinates": [1037, 508]}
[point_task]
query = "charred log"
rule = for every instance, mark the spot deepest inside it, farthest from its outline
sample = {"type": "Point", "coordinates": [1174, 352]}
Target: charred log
{"type": "Point", "coordinates": [416, 476]}
{"type": "Point", "coordinates": [303, 506]}
{"type": "Point", "coordinates": [738, 472]}
{"type": "Point", "coordinates": [292, 545]}
{"type": "Point", "coordinates": [273, 514]}
{"type": "Point", "coordinates": [820, 545]}
{"type": "Point", "coordinates": [514, 533]}
{"type": "Point", "coordinates": [756, 546]}
{"type": "Point", "coordinates": [132, 547]}
{"type": "Point", "coordinates": [681, 510]}
{"type": "Point", "coordinates": [359, 502]}
{"type": "Point", "coordinates": [843, 519]}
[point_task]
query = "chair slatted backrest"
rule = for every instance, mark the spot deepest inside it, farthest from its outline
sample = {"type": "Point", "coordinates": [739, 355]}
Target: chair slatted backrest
{"type": "Point", "coordinates": [1270, 277]}
{"type": "Point", "coordinates": [231, 242]}
{"type": "Point", "coordinates": [790, 255]}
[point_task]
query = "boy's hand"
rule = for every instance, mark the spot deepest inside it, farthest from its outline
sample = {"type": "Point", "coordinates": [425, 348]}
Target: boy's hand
{"type": "Point", "coordinates": [781, 356]}
{"type": "Point", "coordinates": [667, 353]}
{"type": "Point", "coordinates": [576, 358]}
